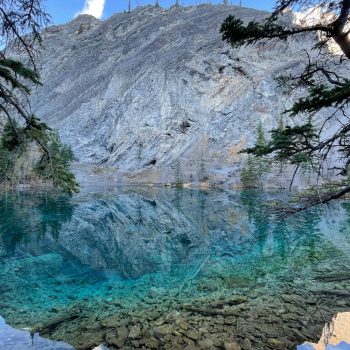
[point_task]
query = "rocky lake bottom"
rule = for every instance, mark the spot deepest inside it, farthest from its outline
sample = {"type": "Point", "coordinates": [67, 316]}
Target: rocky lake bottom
{"type": "Point", "coordinates": [138, 268]}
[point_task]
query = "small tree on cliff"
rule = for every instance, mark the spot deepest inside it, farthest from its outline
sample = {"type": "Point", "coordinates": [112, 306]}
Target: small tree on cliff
{"type": "Point", "coordinates": [248, 175]}
{"type": "Point", "coordinates": [20, 23]}
{"type": "Point", "coordinates": [255, 167]}
{"type": "Point", "coordinates": [327, 88]}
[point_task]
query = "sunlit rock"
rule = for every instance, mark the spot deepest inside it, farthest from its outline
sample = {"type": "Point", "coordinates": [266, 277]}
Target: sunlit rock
{"type": "Point", "coordinates": [335, 335]}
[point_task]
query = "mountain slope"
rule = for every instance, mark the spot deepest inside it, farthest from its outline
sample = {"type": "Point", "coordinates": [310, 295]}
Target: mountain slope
{"type": "Point", "coordinates": [158, 95]}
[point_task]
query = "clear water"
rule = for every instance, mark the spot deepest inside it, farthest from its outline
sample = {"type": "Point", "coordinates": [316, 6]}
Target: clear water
{"type": "Point", "coordinates": [170, 269]}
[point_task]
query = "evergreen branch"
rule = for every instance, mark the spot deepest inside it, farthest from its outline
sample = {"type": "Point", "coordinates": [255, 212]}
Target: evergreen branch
{"type": "Point", "coordinates": [321, 96]}
{"type": "Point", "coordinates": [237, 34]}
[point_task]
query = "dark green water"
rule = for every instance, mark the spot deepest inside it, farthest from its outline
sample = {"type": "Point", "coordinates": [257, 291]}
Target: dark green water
{"type": "Point", "coordinates": [170, 269]}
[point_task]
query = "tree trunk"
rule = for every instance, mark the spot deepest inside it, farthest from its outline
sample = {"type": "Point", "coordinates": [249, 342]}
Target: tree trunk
{"type": "Point", "coordinates": [340, 32]}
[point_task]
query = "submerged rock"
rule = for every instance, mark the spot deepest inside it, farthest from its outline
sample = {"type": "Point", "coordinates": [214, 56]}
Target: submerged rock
{"type": "Point", "coordinates": [135, 332]}
{"type": "Point", "coordinates": [116, 254]}
{"type": "Point", "coordinates": [206, 343]}
{"type": "Point", "coordinates": [231, 345]}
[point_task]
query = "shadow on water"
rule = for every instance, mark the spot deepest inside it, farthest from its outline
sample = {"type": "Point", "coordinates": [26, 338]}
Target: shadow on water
{"type": "Point", "coordinates": [169, 268]}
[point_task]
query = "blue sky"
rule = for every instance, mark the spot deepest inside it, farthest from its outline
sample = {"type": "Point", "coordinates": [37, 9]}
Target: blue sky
{"type": "Point", "coordinates": [63, 11]}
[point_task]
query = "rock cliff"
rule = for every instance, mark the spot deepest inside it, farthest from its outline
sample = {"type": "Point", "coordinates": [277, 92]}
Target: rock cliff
{"type": "Point", "coordinates": [156, 96]}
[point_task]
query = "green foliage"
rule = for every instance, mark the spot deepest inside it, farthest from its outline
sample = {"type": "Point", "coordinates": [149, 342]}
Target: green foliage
{"type": "Point", "coordinates": [249, 176]}
{"type": "Point", "coordinates": [293, 144]}
{"type": "Point", "coordinates": [237, 34]}
{"type": "Point", "coordinates": [10, 147]}
{"type": "Point", "coordinates": [178, 174]}
{"type": "Point", "coordinates": [38, 132]}
{"type": "Point", "coordinates": [11, 70]}
{"type": "Point", "coordinates": [326, 88]}
{"type": "Point", "coordinates": [25, 137]}
{"type": "Point", "coordinates": [56, 157]}
{"type": "Point", "coordinates": [15, 140]}
{"type": "Point", "coordinates": [12, 136]}
{"type": "Point", "coordinates": [5, 162]}
{"type": "Point", "coordinates": [260, 136]}
{"type": "Point", "coordinates": [56, 167]}
{"type": "Point", "coordinates": [203, 176]}
{"type": "Point", "coordinates": [256, 167]}
{"type": "Point", "coordinates": [54, 163]}
{"type": "Point", "coordinates": [307, 145]}
{"type": "Point", "coordinates": [321, 96]}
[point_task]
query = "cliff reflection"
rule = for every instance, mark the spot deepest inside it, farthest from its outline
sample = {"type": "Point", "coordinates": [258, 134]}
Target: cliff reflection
{"type": "Point", "coordinates": [138, 232]}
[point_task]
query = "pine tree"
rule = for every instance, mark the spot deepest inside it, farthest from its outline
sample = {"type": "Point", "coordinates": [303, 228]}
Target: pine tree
{"type": "Point", "coordinates": [256, 167]}
{"type": "Point", "coordinates": [249, 177]}
{"type": "Point", "coordinates": [57, 167]}
{"type": "Point", "coordinates": [306, 143]}
{"type": "Point", "coordinates": [11, 147]}
{"type": "Point", "coordinates": [262, 161]}
{"type": "Point", "coordinates": [5, 163]}
{"type": "Point", "coordinates": [20, 23]}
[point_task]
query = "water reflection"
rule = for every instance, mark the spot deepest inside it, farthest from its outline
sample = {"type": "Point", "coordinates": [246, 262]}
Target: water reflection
{"type": "Point", "coordinates": [13, 339]}
{"type": "Point", "coordinates": [24, 216]}
{"type": "Point", "coordinates": [138, 255]}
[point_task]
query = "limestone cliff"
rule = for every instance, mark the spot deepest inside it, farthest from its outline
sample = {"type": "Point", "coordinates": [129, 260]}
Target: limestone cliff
{"type": "Point", "coordinates": [157, 96]}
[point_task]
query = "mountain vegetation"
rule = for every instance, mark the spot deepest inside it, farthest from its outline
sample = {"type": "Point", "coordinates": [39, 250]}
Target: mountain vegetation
{"type": "Point", "coordinates": [306, 139]}
{"type": "Point", "coordinates": [255, 167]}
{"type": "Point", "coordinates": [22, 133]}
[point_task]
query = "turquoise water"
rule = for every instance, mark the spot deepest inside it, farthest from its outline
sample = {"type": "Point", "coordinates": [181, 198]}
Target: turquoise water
{"type": "Point", "coordinates": [170, 269]}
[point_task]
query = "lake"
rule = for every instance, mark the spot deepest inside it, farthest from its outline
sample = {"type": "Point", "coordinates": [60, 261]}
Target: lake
{"type": "Point", "coordinates": [155, 268]}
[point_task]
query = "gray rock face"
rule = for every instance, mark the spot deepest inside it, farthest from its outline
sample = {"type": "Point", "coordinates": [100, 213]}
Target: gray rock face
{"type": "Point", "coordinates": [158, 95]}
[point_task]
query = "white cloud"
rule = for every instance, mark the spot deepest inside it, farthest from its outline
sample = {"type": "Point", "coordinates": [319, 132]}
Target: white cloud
{"type": "Point", "coordinates": [93, 7]}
